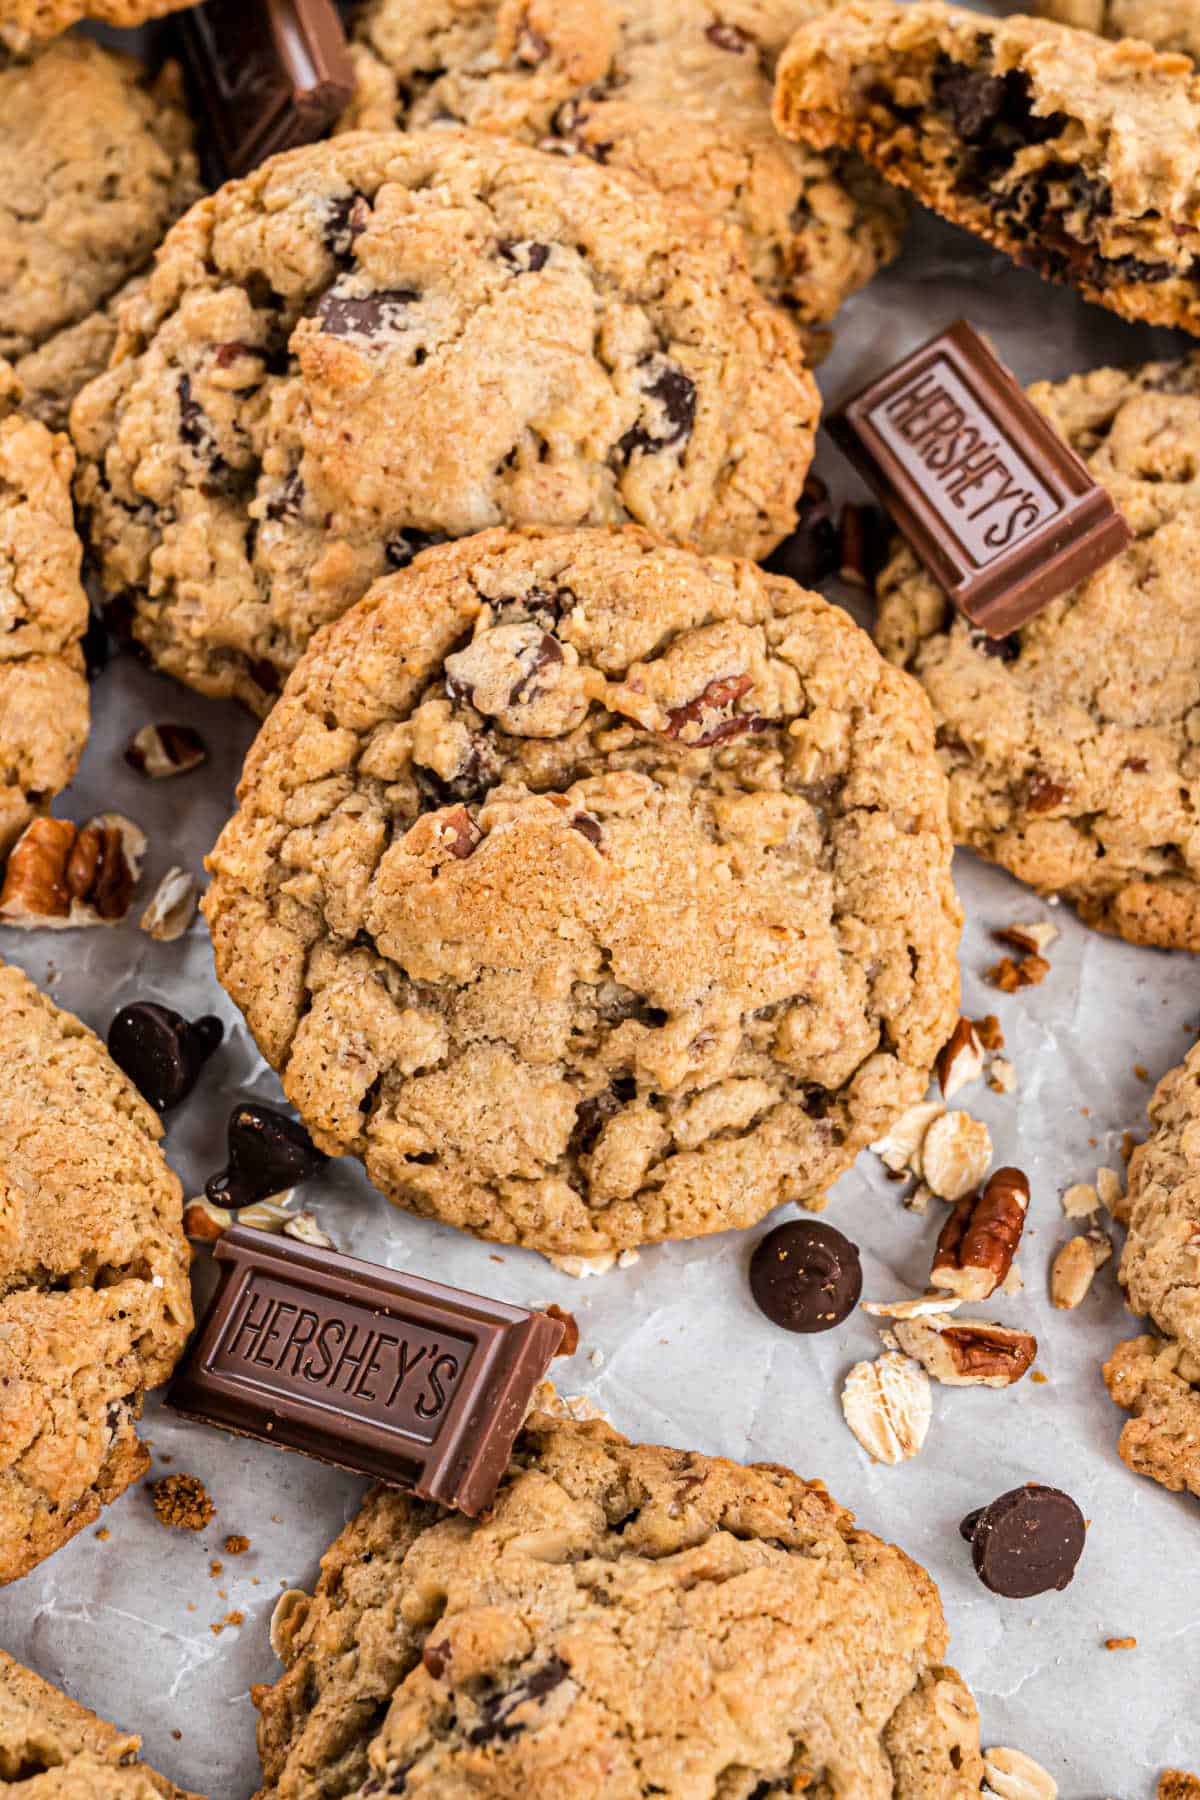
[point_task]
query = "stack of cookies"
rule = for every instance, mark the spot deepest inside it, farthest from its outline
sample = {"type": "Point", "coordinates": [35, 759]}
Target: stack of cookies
{"type": "Point", "coordinates": [445, 395]}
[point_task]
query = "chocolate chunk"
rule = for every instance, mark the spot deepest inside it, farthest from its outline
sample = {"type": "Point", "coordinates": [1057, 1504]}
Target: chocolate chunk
{"type": "Point", "coordinates": [345, 221]}
{"type": "Point", "coordinates": [813, 551]}
{"type": "Point", "coordinates": [401, 549]}
{"type": "Point", "coordinates": [995, 503]}
{"type": "Point", "coordinates": [95, 645]}
{"type": "Point", "coordinates": [524, 255]}
{"type": "Point", "coordinates": [805, 1276]}
{"type": "Point", "coordinates": [362, 315]}
{"type": "Point", "coordinates": [728, 37]}
{"type": "Point", "coordinates": [268, 76]}
{"type": "Point", "coordinates": [162, 1052]}
{"type": "Point", "coordinates": [542, 655]}
{"type": "Point", "coordinates": [973, 98]}
{"type": "Point", "coordinates": [286, 504]}
{"type": "Point", "coordinates": [268, 1152]}
{"type": "Point", "coordinates": [415, 1384]}
{"type": "Point", "coordinates": [1026, 1542]}
{"type": "Point", "coordinates": [496, 1710]}
{"type": "Point", "coordinates": [675, 394]}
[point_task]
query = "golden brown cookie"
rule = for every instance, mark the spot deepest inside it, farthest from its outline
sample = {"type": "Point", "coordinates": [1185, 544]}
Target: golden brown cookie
{"type": "Point", "coordinates": [593, 892]}
{"type": "Point", "coordinates": [1073, 745]}
{"type": "Point", "coordinates": [627, 1620]}
{"type": "Point", "coordinates": [1167, 24]}
{"type": "Point", "coordinates": [94, 1297]}
{"type": "Point", "coordinates": [372, 344]}
{"type": "Point", "coordinates": [23, 23]}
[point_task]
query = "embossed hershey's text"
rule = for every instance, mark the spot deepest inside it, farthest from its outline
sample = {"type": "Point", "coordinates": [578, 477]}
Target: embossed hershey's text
{"type": "Point", "coordinates": [370, 1363]}
{"type": "Point", "coordinates": [935, 427]}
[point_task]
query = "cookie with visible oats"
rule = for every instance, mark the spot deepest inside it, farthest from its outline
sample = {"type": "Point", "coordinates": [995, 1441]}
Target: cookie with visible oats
{"type": "Point", "coordinates": [1073, 745]}
{"type": "Point", "coordinates": [96, 162]}
{"type": "Point", "coordinates": [1167, 24]}
{"type": "Point", "coordinates": [627, 1620]}
{"type": "Point", "coordinates": [51, 1748]}
{"type": "Point", "coordinates": [1078, 157]}
{"type": "Point", "coordinates": [593, 892]}
{"type": "Point", "coordinates": [677, 91]}
{"type": "Point", "coordinates": [375, 343]}
{"type": "Point", "coordinates": [94, 1297]}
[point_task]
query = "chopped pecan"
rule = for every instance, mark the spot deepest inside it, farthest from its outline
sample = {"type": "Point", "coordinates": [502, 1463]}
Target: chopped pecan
{"type": "Point", "coordinates": [159, 751]}
{"type": "Point", "coordinates": [960, 1059]}
{"type": "Point", "coordinates": [955, 1154]}
{"type": "Point", "coordinates": [172, 906]}
{"type": "Point", "coordinates": [979, 1240]}
{"type": "Point", "coordinates": [1074, 1268]}
{"type": "Point", "coordinates": [698, 723]}
{"type": "Point", "coordinates": [460, 832]}
{"type": "Point", "coordinates": [204, 1222]}
{"type": "Point", "coordinates": [1044, 794]}
{"type": "Point", "coordinates": [967, 1352]}
{"type": "Point", "coordinates": [59, 875]}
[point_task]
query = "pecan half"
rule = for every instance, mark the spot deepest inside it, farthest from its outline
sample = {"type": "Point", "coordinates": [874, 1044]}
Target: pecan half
{"type": "Point", "coordinates": [979, 1240]}
{"type": "Point", "coordinates": [62, 875]}
{"type": "Point", "coordinates": [967, 1352]}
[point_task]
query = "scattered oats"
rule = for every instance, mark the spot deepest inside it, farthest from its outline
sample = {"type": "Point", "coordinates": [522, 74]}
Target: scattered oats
{"type": "Point", "coordinates": [955, 1154]}
{"type": "Point", "coordinates": [1002, 1077]}
{"type": "Point", "coordinates": [918, 1201]}
{"type": "Point", "coordinates": [888, 1404]}
{"type": "Point", "coordinates": [900, 1147]}
{"type": "Point", "coordinates": [596, 1358]}
{"type": "Point", "coordinates": [580, 1267]}
{"type": "Point", "coordinates": [917, 1308]}
{"type": "Point", "coordinates": [1080, 1200]}
{"type": "Point", "coordinates": [182, 1500]}
{"type": "Point", "coordinates": [1011, 1775]}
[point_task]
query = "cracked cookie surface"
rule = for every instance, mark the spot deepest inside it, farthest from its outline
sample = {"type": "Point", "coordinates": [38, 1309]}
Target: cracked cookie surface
{"type": "Point", "coordinates": [43, 615]}
{"type": "Point", "coordinates": [678, 91]}
{"type": "Point", "coordinates": [51, 1748]}
{"type": "Point", "coordinates": [1167, 24]}
{"type": "Point", "coordinates": [629, 1620]}
{"type": "Point", "coordinates": [94, 1297]}
{"type": "Point", "coordinates": [1078, 157]}
{"type": "Point", "coordinates": [95, 162]}
{"type": "Point", "coordinates": [591, 891]}
{"type": "Point", "coordinates": [1073, 745]}
{"type": "Point", "coordinates": [375, 343]}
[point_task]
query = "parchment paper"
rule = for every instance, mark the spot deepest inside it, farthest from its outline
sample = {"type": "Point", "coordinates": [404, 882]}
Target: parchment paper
{"type": "Point", "coordinates": [672, 1347]}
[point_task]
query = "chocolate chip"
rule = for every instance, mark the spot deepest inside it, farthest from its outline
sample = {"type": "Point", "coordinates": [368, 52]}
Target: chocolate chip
{"type": "Point", "coordinates": [346, 220]}
{"type": "Point", "coordinates": [401, 549]}
{"type": "Point", "coordinates": [537, 657]}
{"type": "Point", "coordinates": [973, 98]}
{"type": "Point", "coordinates": [192, 427]}
{"type": "Point", "coordinates": [524, 255]}
{"type": "Point", "coordinates": [496, 1710]}
{"type": "Point", "coordinates": [813, 551]}
{"type": "Point", "coordinates": [95, 645]}
{"type": "Point", "coordinates": [729, 37]}
{"type": "Point", "coordinates": [286, 504]}
{"type": "Point", "coordinates": [362, 315]}
{"type": "Point", "coordinates": [268, 1152]}
{"type": "Point", "coordinates": [698, 723]}
{"type": "Point", "coordinates": [1005, 649]}
{"type": "Point", "coordinates": [805, 1276]}
{"type": "Point", "coordinates": [675, 393]}
{"type": "Point", "coordinates": [435, 1657]}
{"type": "Point", "coordinates": [162, 1052]}
{"type": "Point", "coordinates": [1026, 1542]}
{"type": "Point", "coordinates": [588, 827]}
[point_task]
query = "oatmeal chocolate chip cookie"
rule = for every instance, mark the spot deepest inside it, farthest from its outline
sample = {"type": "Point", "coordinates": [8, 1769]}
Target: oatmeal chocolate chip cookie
{"type": "Point", "coordinates": [43, 615]}
{"type": "Point", "coordinates": [592, 892]}
{"type": "Point", "coordinates": [370, 345]}
{"type": "Point", "coordinates": [679, 91]}
{"type": "Point", "coordinates": [1167, 24]}
{"type": "Point", "coordinates": [23, 23]}
{"type": "Point", "coordinates": [51, 1748]}
{"type": "Point", "coordinates": [1073, 745]}
{"type": "Point", "coordinates": [95, 163]}
{"type": "Point", "coordinates": [94, 1298]}
{"type": "Point", "coordinates": [628, 1620]}
{"type": "Point", "coordinates": [1158, 1381]}
{"type": "Point", "coordinates": [1079, 158]}
{"type": "Point", "coordinates": [1160, 1267]}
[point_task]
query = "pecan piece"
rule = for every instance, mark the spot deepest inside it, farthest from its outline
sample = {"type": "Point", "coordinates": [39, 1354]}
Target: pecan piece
{"type": "Point", "coordinates": [960, 1059]}
{"type": "Point", "coordinates": [172, 906]}
{"type": "Point", "coordinates": [60, 875]}
{"type": "Point", "coordinates": [1075, 1266]}
{"type": "Point", "coordinates": [698, 723]}
{"type": "Point", "coordinates": [460, 833]}
{"type": "Point", "coordinates": [967, 1352]}
{"type": "Point", "coordinates": [35, 881]}
{"type": "Point", "coordinates": [159, 751]}
{"type": "Point", "coordinates": [979, 1240]}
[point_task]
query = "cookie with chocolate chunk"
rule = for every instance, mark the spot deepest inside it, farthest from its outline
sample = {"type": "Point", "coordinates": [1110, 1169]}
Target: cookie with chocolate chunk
{"type": "Point", "coordinates": [1167, 24]}
{"type": "Point", "coordinates": [51, 1748]}
{"type": "Point", "coordinates": [652, 1620]}
{"type": "Point", "coordinates": [43, 616]}
{"type": "Point", "coordinates": [376, 343]}
{"type": "Point", "coordinates": [678, 91]}
{"type": "Point", "coordinates": [94, 1298]}
{"type": "Point", "coordinates": [96, 162]}
{"type": "Point", "coordinates": [1073, 745]}
{"type": "Point", "coordinates": [1079, 158]}
{"type": "Point", "coordinates": [593, 892]}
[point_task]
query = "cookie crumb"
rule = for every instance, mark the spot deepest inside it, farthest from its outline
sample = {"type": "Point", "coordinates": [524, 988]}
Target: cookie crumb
{"type": "Point", "coordinates": [235, 1544]}
{"type": "Point", "coordinates": [1141, 1071]}
{"type": "Point", "coordinates": [216, 1568]}
{"type": "Point", "coordinates": [231, 1618]}
{"type": "Point", "coordinates": [177, 1735]}
{"type": "Point", "coordinates": [104, 1534]}
{"type": "Point", "coordinates": [1122, 1643]}
{"type": "Point", "coordinates": [182, 1501]}
{"type": "Point", "coordinates": [1039, 1378]}
{"type": "Point", "coordinates": [570, 1340]}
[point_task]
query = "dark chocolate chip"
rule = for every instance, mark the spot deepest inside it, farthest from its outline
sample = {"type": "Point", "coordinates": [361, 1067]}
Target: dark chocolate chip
{"type": "Point", "coordinates": [286, 504]}
{"type": "Point", "coordinates": [95, 645]}
{"type": "Point", "coordinates": [973, 98]}
{"type": "Point", "coordinates": [729, 37]}
{"type": "Point", "coordinates": [524, 255]}
{"type": "Point", "coordinates": [813, 551]}
{"type": "Point", "coordinates": [401, 549]}
{"type": "Point", "coordinates": [1026, 1542]}
{"type": "Point", "coordinates": [1005, 649]}
{"type": "Point", "coordinates": [675, 393]}
{"type": "Point", "coordinates": [192, 424]}
{"type": "Point", "coordinates": [268, 1152]}
{"type": "Point", "coordinates": [162, 1052]}
{"type": "Point", "coordinates": [805, 1276]}
{"type": "Point", "coordinates": [542, 655]}
{"type": "Point", "coordinates": [496, 1710]}
{"type": "Point", "coordinates": [588, 827]}
{"type": "Point", "coordinates": [362, 315]}
{"type": "Point", "coordinates": [345, 220]}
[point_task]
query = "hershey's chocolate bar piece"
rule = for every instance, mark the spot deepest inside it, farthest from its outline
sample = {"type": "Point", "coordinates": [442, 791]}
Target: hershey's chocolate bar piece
{"type": "Point", "coordinates": [995, 503]}
{"type": "Point", "coordinates": [415, 1384]}
{"type": "Point", "coordinates": [270, 74]}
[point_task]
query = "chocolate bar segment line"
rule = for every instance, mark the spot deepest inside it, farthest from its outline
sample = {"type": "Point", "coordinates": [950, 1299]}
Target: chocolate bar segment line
{"type": "Point", "coordinates": [995, 503]}
{"type": "Point", "coordinates": [402, 1379]}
